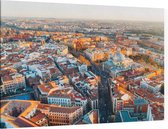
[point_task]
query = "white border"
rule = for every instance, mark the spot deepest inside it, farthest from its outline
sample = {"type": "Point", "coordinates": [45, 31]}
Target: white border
{"type": "Point", "coordinates": [128, 3]}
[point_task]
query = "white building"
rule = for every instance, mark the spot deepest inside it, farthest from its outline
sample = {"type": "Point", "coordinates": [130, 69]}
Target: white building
{"type": "Point", "coordinates": [67, 97]}
{"type": "Point", "coordinates": [150, 85]}
{"type": "Point", "coordinates": [11, 83]}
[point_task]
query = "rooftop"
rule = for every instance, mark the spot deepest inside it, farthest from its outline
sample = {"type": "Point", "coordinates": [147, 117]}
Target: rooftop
{"type": "Point", "coordinates": [67, 93]}
{"type": "Point", "coordinates": [23, 122]}
{"type": "Point", "coordinates": [125, 117]}
{"type": "Point", "coordinates": [63, 109]}
{"type": "Point", "coordinates": [38, 117]}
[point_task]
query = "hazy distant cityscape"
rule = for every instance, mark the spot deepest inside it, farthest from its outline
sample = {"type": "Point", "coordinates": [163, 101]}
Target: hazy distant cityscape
{"type": "Point", "coordinates": [63, 71]}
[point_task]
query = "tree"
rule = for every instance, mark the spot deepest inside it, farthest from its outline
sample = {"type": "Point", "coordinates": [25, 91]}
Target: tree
{"type": "Point", "coordinates": [2, 125]}
{"type": "Point", "coordinates": [162, 89]}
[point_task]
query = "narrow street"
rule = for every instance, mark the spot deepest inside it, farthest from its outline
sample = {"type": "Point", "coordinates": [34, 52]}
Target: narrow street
{"type": "Point", "coordinates": [104, 91]}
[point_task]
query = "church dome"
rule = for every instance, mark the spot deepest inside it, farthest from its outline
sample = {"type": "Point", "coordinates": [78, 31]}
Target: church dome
{"type": "Point", "coordinates": [118, 57]}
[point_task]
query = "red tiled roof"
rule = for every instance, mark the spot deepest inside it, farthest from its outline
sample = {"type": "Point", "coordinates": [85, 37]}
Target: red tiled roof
{"type": "Point", "coordinates": [7, 78]}
{"type": "Point", "coordinates": [38, 117]}
{"type": "Point", "coordinates": [67, 93]}
{"type": "Point", "coordinates": [23, 122]}
{"type": "Point", "coordinates": [43, 106]}
{"type": "Point", "coordinates": [64, 109]}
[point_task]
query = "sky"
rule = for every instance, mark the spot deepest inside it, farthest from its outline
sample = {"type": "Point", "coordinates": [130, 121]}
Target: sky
{"type": "Point", "coordinates": [74, 11]}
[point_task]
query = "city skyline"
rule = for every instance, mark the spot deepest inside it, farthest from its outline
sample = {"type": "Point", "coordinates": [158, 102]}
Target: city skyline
{"type": "Point", "coordinates": [75, 11]}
